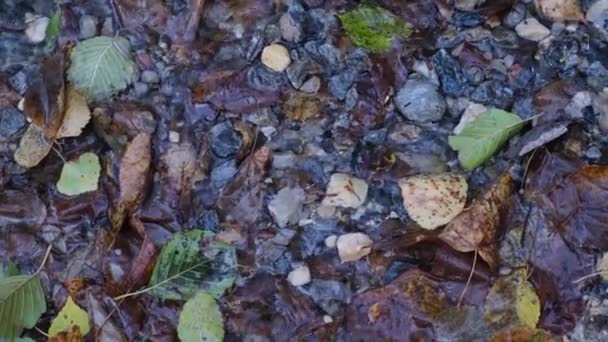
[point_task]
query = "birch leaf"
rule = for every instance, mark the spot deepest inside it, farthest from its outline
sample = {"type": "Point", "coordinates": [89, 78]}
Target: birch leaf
{"type": "Point", "coordinates": [79, 176]}
{"type": "Point", "coordinates": [201, 320]}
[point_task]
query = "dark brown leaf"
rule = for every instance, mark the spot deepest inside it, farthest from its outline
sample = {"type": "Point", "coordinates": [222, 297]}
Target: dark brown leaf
{"type": "Point", "coordinates": [553, 98]}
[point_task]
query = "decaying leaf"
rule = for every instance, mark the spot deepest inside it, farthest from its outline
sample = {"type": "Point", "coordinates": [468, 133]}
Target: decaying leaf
{"type": "Point", "coordinates": [480, 139]}
{"type": "Point", "coordinates": [182, 169]}
{"type": "Point", "coordinates": [201, 320]}
{"type": "Point", "coordinates": [71, 316]}
{"type": "Point", "coordinates": [512, 301]}
{"type": "Point", "coordinates": [72, 335]}
{"type": "Point", "coordinates": [133, 177]}
{"type": "Point", "coordinates": [101, 66]}
{"type": "Point", "coordinates": [477, 227]}
{"type": "Point", "coordinates": [105, 329]}
{"type": "Point", "coordinates": [345, 191]}
{"type": "Point", "coordinates": [434, 200]}
{"type": "Point", "coordinates": [524, 334]}
{"type": "Point", "coordinates": [77, 115]}
{"type": "Point", "coordinates": [560, 10]}
{"type": "Point", "coordinates": [79, 176]}
{"type": "Point", "coordinates": [301, 107]}
{"type": "Point", "coordinates": [33, 147]}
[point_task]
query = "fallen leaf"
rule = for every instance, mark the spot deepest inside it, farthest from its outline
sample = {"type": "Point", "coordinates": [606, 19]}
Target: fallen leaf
{"type": "Point", "coordinates": [77, 115]}
{"type": "Point", "coordinates": [345, 191]}
{"type": "Point", "coordinates": [33, 147]}
{"type": "Point", "coordinates": [301, 107]}
{"type": "Point", "coordinates": [105, 330]}
{"type": "Point", "coordinates": [524, 334]}
{"type": "Point", "coordinates": [477, 227]}
{"type": "Point", "coordinates": [552, 99]}
{"type": "Point", "coordinates": [434, 200]}
{"type": "Point", "coordinates": [73, 335]}
{"type": "Point", "coordinates": [22, 303]}
{"type": "Point", "coordinates": [537, 137]}
{"type": "Point", "coordinates": [181, 169]}
{"type": "Point", "coordinates": [71, 316]}
{"type": "Point", "coordinates": [21, 209]}
{"type": "Point", "coordinates": [480, 139]}
{"type": "Point", "coordinates": [101, 66]}
{"type": "Point", "coordinates": [560, 10]}
{"type": "Point", "coordinates": [79, 176]}
{"type": "Point", "coordinates": [201, 320]}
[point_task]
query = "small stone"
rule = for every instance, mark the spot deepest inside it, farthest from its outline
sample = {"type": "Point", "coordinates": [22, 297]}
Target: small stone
{"type": "Point", "coordinates": [173, 137]}
{"type": "Point", "coordinates": [283, 160]}
{"type": "Point", "coordinates": [286, 205]}
{"type": "Point", "coordinates": [330, 241]}
{"type": "Point", "coordinates": [225, 141]}
{"type": "Point", "coordinates": [150, 76]}
{"type": "Point", "coordinates": [327, 319]}
{"type": "Point", "coordinates": [11, 122]}
{"type": "Point", "coordinates": [345, 191]}
{"type": "Point", "coordinates": [470, 114]}
{"type": "Point", "coordinates": [579, 101]}
{"type": "Point", "coordinates": [36, 27]}
{"type": "Point", "coordinates": [466, 5]}
{"type": "Point", "coordinates": [515, 16]}
{"type": "Point", "coordinates": [276, 57]}
{"type": "Point", "coordinates": [593, 153]}
{"type": "Point", "coordinates": [312, 85]}
{"type": "Point", "coordinates": [326, 211]}
{"type": "Point", "coordinates": [140, 89]}
{"type": "Point", "coordinates": [299, 276]}
{"type": "Point", "coordinates": [600, 105]}
{"type": "Point", "coordinates": [404, 134]}
{"type": "Point", "coordinates": [420, 101]}
{"type": "Point", "coordinates": [107, 29]}
{"type": "Point", "coordinates": [291, 30]}
{"type": "Point", "coordinates": [353, 246]}
{"type": "Point", "coordinates": [88, 26]}
{"type": "Point", "coordinates": [598, 15]}
{"type": "Point", "coordinates": [532, 29]}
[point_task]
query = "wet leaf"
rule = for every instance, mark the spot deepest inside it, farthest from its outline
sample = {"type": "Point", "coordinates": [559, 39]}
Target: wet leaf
{"type": "Point", "coordinates": [553, 98]}
{"type": "Point", "coordinates": [201, 320]}
{"type": "Point", "coordinates": [182, 270]}
{"type": "Point", "coordinates": [345, 191]}
{"type": "Point", "coordinates": [374, 28]}
{"type": "Point", "coordinates": [477, 227]}
{"type": "Point", "coordinates": [181, 169]}
{"type": "Point", "coordinates": [101, 66]}
{"type": "Point", "coordinates": [480, 139]}
{"type": "Point", "coordinates": [434, 200]}
{"type": "Point", "coordinates": [33, 147]}
{"type": "Point", "coordinates": [560, 10]}
{"type": "Point", "coordinates": [79, 176]}
{"type": "Point", "coordinates": [524, 334]}
{"type": "Point", "coordinates": [70, 316]}
{"type": "Point", "coordinates": [21, 209]}
{"type": "Point", "coordinates": [22, 303]}
{"type": "Point", "coordinates": [77, 115]}
{"type": "Point", "coordinates": [73, 335]}
{"type": "Point", "coordinates": [512, 301]}
{"type": "Point", "coordinates": [105, 330]}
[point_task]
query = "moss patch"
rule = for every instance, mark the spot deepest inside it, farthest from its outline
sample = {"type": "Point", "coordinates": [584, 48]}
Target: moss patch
{"type": "Point", "coordinates": [374, 28]}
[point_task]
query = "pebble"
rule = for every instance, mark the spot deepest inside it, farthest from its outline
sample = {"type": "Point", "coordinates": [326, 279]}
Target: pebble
{"type": "Point", "coordinates": [452, 78]}
{"type": "Point", "coordinates": [276, 57]}
{"type": "Point", "coordinates": [579, 101]}
{"type": "Point", "coordinates": [150, 76]}
{"type": "Point", "coordinates": [345, 191]}
{"type": "Point", "coordinates": [174, 137]}
{"type": "Point", "coordinates": [36, 27]}
{"type": "Point", "coordinates": [107, 29]}
{"type": "Point", "coordinates": [327, 319]}
{"type": "Point", "coordinates": [353, 246]}
{"type": "Point", "coordinates": [420, 101]}
{"type": "Point", "coordinates": [532, 29]}
{"type": "Point", "coordinates": [225, 141]}
{"type": "Point", "coordinates": [11, 122]}
{"type": "Point", "coordinates": [600, 105]}
{"type": "Point", "coordinates": [299, 276]}
{"type": "Point", "coordinates": [286, 205]}
{"type": "Point", "coordinates": [88, 26]}
{"type": "Point", "coordinates": [515, 16]}
{"type": "Point", "coordinates": [312, 85]}
{"type": "Point", "coordinates": [283, 160]}
{"type": "Point", "coordinates": [330, 241]}
{"type": "Point", "coordinates": [291, 30]}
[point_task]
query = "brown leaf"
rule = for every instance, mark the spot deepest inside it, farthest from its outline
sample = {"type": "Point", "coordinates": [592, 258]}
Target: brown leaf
{"type": "Point", "coordinates": [553, 98]}
{"type": "Point", "coordinates": [73, 335]}
{"type": "Point", "coordinates": [477, 227]}
{"type": "Point", "coordinates": [105, 329]}
{"type": "Point", "coordinates": [301, 107]}
{"type": "Point", "coordinates": [45, 96]}
{"type": "Point", "coordinates": [133, 178]}
{"type": "Point", "coordinates": [517, 334]}
{"type": "Point", "coordinates": [77, 115]}
{"type": "Point", "coordinates": [180, 168]}
{"type": "Point", "coordinates": [560, 10]}
{"type": "Point", "coordinates": [33, 147]}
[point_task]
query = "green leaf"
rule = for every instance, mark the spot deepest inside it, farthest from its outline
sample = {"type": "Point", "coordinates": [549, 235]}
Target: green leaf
{"type": "Point", "coordinates": [52, 30]}
{"type": "Point", "coordinates": [101, 67]}
{"type": "Point", "coordinates": [22, 303]}
{"type": "Point", "coordinates": [70, 315]}
{"type": "Point", "coordinates": [201, 320]}
{"type": "Point", "coordinates": [182, 270]}
{"type": "Point", "coordinates": [374, 28]}
{"type": "Point", "coordinates": [480, 139]}
{"type": "Point", "coordinates": [79, 176]}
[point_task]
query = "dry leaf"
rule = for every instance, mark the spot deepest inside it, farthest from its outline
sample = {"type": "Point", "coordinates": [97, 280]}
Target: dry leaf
{"type": "Point", "coordinates": [345, 191]}
{"type": "Point", "coordinates": [33, 147]}
{"type": "Point", "coordinates": [181, 169]}
{"type": "Point", "coordinates": [77, 115]}
{"type": "Point", "coordinates": [476, 228]}
{"type": "Point", "coordinates": [560, 10]}
{"type": "Point", "coordinates": [434, 200]}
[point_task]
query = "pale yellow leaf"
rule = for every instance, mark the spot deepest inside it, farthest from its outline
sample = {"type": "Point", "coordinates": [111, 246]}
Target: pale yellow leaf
{"type": "Point", "coordinates": [77, 115]}
{"type": "Point", "coordinates": [33, 147]}
{"type": "Point", "coordinates": [71, 315]}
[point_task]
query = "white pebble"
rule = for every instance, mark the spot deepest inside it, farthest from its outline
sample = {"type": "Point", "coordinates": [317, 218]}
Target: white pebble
{"type": "Point", "coordinates": [353, 246]}
{"type": "Point", "coordinates": [174, 137]}
{"type": "Point", "coordinates": [330, 241]}
{"type": "Point", "coordinates": [36, 27]}
{"type": "Point", "coordinates": [532, 29]}
{"type": "Point", "coordinates": [299, 276]}
{"type": "Point", "coordinates": [276, 57]}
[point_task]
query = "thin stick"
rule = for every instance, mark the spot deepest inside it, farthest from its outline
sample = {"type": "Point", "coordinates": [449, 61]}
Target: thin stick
{"type": "Point", "coordinates": [594, 274]}
{"type": "Point", "coordinates": [46, 256]}
{"type": "Point", "coordinates": [468, 281]}
{"type": "Point", "coordinates": [41, 332]}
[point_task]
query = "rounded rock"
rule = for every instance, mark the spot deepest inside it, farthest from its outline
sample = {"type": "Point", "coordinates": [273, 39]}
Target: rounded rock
{"type": "Point", "coordinates": [420, 101]}
{"type": "Point", "coordinates": [276, 57]}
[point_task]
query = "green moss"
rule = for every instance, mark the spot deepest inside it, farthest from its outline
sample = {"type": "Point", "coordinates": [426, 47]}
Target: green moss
{"type": "Point", "coordinates": [373, 28]}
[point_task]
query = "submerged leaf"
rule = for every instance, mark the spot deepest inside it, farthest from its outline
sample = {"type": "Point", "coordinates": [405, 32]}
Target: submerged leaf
{"type": "Point", "coordinates": [79, 176]}
{"type": "Point", "coordinates": [374, 28]}
{"type": "Point", "coordinates": [434, 200]}
{"type": "Point", "coordinates": [22, 303]}
{"type": "Point", "coordinates": [70, 316]}
{"type": "Point", "coordinates": [102, 66]}
{"type": "Point", "coordinates": [182, 270]}
{"type": "Point", "coordinates": [480, 139]}
{"type": "Point", "coordinates": [201, 320]}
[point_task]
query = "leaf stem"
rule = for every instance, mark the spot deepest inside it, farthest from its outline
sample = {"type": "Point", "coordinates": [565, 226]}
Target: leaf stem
{"type": "Point", "coordinates": [594, 274]}
{"type": "Point", "coordinates": [46, 256]}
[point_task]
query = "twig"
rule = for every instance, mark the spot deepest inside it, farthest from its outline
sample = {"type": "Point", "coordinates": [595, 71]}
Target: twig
{"type": "Point", "coordinates": [46, 256]}
{"type": "Point", "coordinates": [468, 281]}
{"type": "Point", "coordinates": [594, 274]}
{"type": "Point", "coordinates": [41, 332]}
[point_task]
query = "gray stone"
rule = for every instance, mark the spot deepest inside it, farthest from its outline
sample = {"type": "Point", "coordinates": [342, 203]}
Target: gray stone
{"type": "Point", "coordinates": [291, 30]}
{"type": "Point", "coordinates": [88, 26]}
{"type": "Point", "coordinates": [515, 16]}
{"type": "Point", "coordinates": [11, 122]}
{"type": "Point", "coordinates": [312, 85]}
{"type": "Point", "coordinates": [140, 89]}
{"type": "Point", "coordinates": [150, 76]}
{"type": "Point", "coordinates": [286, 205]}
{"type": "Point", "coordinates": [283, 160]}
{"type": "Point", "coordinates": [225, 141]}
{"type": "Point", "coordinates": [420, 101]}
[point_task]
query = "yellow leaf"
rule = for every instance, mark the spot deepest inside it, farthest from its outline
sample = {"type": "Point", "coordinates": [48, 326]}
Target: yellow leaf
{"type": "Point", "coordinates": [512, 301]}
{"type": "Point", "coordinates": [434, 200]}
{"type": "Point", "coordinates": [33, 147]}
{"type": "Point", "coordinates": [70, 316]}
{"type": "Point", "coordinates": [77, 115]}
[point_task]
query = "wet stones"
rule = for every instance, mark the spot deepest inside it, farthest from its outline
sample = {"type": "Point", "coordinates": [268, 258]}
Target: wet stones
{"type": "Point", "coordinates": [452, 78]}
{"type": "Point", "coordinates": [420, 101]}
